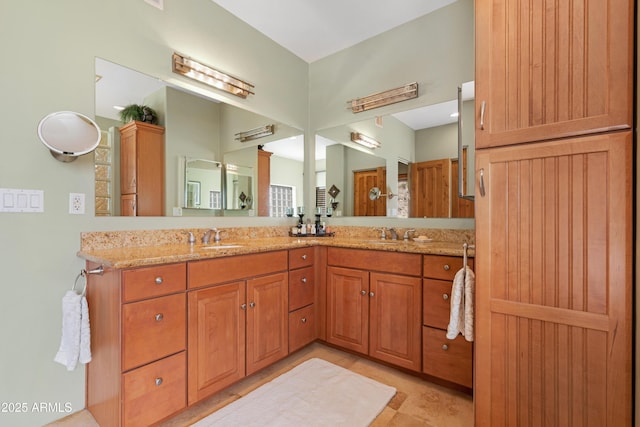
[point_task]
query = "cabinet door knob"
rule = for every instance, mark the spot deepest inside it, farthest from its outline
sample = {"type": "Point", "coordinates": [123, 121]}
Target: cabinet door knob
{"type": "Point", "coordinates": [446, 267]}
{"type": "Point", "coordinates": [159, 317]}
{"type": "Point", "coordinates": [445, 296]}
{"type": "Point", "coordinates": [363, 292]}
{"type": "Point", "coordinates": [158, 280]}
{"type": "Point", "coordinates": [303, 320]}
{"type": "Point", "coordinates": [371, 294]}
{"type": "Point", "coordinates": [252, 304]}
{"type": "Point", "coordinates": [304, 256]}
{"type": "Point", "coordinates": [303, 280]}
{"type": "Point", "coordinates": [445, 347]}
{"type": "Point", "coordinates": [159, 381]}
{"type": "Point", "coordinates": [243, 306]}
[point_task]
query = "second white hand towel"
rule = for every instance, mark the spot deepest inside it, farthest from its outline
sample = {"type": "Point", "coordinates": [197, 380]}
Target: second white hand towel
{"type": "Point", "coordinates": [462, 310]}
{"type": "Point", "coordinates": [69, 350]}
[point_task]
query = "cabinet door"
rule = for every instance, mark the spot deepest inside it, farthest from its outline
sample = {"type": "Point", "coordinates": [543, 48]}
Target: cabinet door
{"type": "Point", "coordinates": [395, 319]}
{"type": "Point", "coordinates": [128, 205]}
{"type": "Point", "coordinates": [267, 320]}
{"type": "Point", "coordinates": [545, 71]}
{"type": "Point", "coordinates": [128, 157]}
{"type": "Point", "coordinates": [348, 308]}
{"type": "Point", "coordinates": [216, 339]}
{"type": "Point", "coordinates": [554, 284]}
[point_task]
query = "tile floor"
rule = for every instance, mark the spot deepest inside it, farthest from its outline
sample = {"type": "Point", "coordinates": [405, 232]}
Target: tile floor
{"type": "Point", "coordinates": [417, 402]}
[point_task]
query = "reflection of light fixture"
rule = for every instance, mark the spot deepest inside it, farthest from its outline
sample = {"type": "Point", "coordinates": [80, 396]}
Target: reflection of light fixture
{"type": "Point", "coordinates": [375, 194]}
{"type": "Point", "coordinates": [256, 133]}
{"type": "Point", "coordinates": [364, 140]}
{"type": "Point", "coordinates": [205, 74]}
{"type": "Point", "coordinates": [408, 91]}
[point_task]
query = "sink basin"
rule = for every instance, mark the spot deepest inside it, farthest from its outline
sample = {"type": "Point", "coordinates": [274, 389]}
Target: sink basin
{"type": "Point", "coordinates": [383, 242]}
{"type": "Point", "coordinates": [214, 247]}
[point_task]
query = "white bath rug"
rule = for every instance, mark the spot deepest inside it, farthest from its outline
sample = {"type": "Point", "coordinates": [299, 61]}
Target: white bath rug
{"type": "Point", "coordinates": [315, 393]}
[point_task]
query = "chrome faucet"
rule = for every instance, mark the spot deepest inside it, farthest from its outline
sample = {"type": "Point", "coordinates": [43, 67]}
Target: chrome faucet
{"type": "Point", "coordinates": [394, 233]}
{"type": "Point", "coordinates": [207, 236]}
{"type": "Point", "coordinates": [383, 233]}
{"type": "Point", "coordinates": [407, 232]}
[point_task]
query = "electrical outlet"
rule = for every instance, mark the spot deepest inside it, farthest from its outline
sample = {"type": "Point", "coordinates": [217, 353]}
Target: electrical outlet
{"type": "Point", "coordinates": [76, 203]}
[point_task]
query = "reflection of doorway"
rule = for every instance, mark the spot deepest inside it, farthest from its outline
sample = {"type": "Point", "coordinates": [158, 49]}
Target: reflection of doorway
{"type": "Point", "coordinates": [430, 189]}
{"type": "Point", "coordinates": [363, 181]}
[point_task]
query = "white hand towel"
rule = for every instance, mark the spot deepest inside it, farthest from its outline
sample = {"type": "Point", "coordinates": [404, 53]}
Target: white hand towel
{"type": "Point", "coordinates": [70, 342]}
{"type": "Point", "coordinates": [462, 296]}
{"type": "Point", "coordinates": [85, 332]}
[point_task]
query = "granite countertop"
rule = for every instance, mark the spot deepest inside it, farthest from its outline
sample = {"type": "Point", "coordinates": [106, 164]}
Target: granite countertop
{"type": "Point", "coordinates": [126, 257]}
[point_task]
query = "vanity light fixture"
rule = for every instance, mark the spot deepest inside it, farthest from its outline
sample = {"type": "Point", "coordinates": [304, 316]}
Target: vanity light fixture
{"type": "Point", "coordinates": [391, 96]}
{"type": "Point", "coordinates": [364, 140]}
{"type": "Point", "coordinates": [256, 133]}
{"type": "Point", "coordinates": [214, 78]}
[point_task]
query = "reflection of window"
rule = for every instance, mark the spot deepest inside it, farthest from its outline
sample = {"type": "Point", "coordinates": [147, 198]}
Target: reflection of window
{"type": "Point", "coordinates": [215, 200]}
{"type": "Point", "coordinates": [321, 197]}
{"type": "Point", "coordinates": [281, 197]}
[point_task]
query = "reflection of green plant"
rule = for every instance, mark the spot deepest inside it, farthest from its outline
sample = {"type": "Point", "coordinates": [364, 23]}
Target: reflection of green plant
{"type": "Point", "coordinates": [141, 113]}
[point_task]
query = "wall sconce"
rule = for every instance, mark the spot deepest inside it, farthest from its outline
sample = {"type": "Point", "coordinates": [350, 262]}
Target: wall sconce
{"type": "Point", "coordinates": [205, 74]}
{"type": "Point", "coordinates": [256, 133]}
{"type": "Point", "coordinates": [403, 93]}
{"type": "Point", "coordinates": [364, 140]}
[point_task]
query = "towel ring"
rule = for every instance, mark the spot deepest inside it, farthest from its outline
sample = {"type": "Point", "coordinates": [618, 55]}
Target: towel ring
{"type": "Point", "coordinates": [83, 274]}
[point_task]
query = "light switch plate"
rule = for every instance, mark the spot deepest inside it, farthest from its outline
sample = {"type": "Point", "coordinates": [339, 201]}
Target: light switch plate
{"type": "Point", "coordinates": [18, 200]}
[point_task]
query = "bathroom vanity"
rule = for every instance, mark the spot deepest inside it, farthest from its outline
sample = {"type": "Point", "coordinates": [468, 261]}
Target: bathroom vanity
{"type": "Point", "coordinates": [173, 324]}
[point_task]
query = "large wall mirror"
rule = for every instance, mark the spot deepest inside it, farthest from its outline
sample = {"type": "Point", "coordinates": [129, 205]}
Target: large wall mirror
{"type": "Point", "coordinates": [415, 166]}
{"type": "Point", "coordinates": [207, 171]}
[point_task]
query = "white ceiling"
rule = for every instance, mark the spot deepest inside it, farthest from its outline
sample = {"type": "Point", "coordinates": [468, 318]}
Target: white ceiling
{"type": "Point", "coordinates": [314, 29]}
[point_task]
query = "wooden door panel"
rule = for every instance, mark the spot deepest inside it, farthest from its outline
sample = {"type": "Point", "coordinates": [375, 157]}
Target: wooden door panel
{"type": "Point", "coordinates": [553, 266]}
{"type": "Point", "coordinates": [430, 189]}
{"type": "Point", "coordinates": [546, 72]}
{"type": "Point", "coordinates": [348, 308]}
{"type": "Point", "coordinates": [363, 181]}
{"type": "Point", "coordinates": [216, 339]}
{"type": "Point", "coordinates": [267, 320]}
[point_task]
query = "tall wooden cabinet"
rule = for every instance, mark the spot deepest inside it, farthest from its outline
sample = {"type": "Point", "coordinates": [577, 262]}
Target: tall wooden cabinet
{"type": "Point", "coordinates": [554, 213]}
{"type": "Point", "coordinates": [141, 169]}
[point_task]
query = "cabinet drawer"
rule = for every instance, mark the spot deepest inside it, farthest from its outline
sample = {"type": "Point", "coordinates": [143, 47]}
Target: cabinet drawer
{"type": "Point", "coordinates": [436, 302]}
{"type": "Point", "coordinates": [154, 391]}
{"type": "Point", "coordinates": [302, 257]}
{"type": "Point", "coordinates": [370, 260]}
{"type": "Point", "coordinates": [149, 282]}
{"type": "Point", "coordinates": [302, 327]}
{"type": "Point", "coordinates": [301, 288]}
{"type": "Point", "coordinates": [451, 360]}
{"type": "Point", "coordinates": [152, 329]}
{"type": "Point", "coordinates": [227, 269]}
{"type": "Point", "coordinates": [442, 267]}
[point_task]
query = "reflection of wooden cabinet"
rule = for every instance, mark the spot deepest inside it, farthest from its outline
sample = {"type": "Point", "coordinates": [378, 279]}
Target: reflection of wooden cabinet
{"type": "Point", "coordinates": [142, 169]}
{"type": "Point", "coordinates": [238, 327]}
{"type": "Point", "coordinates": [264, 182]}
{"type": "Point", "coordinates": [430, 189]}
{"type": "Point", "coordinates": [550, 72]}
{"type": "Point", "coordinates": [363, 314]}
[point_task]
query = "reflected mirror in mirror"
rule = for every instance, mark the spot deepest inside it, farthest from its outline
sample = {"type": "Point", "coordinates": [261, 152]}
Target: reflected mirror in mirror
{"type": "Point", "coordinates": [239, 188]}
{"type": "Point", "coordinates": [195, 126]}
{"type": "Point", "coordinates": [417, 160]}
{"type": "Point", "coordinates": [203, 184]}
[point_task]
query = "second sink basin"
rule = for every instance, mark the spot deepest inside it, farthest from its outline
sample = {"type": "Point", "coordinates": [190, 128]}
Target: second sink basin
{"type": "Point", "coordinates": [214, 247]}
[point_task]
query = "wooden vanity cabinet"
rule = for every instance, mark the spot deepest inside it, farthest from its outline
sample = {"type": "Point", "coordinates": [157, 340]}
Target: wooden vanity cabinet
{"type": "Point", "coordinates": [142, 169]}
{"type": "Point", "coordinates": [374, 304]}
{"type": "Point", "coordinates": [302, 296]}
{"type": "Point", "coordinates": [451, 360]}
{"type": "Point", "coordinates": [137, 375]}
{"type": "Point", "coordinates": [238, 324]}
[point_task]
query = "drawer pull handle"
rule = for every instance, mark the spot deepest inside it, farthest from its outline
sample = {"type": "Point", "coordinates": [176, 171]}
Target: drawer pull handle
{"type": "Point", "coordinates": [303, 280]}
{"type": "Point", "coordinates": [158, 280]}
{"type": "Point", "coordinates": [371, 294]}
{"type": "Point", "coordinates": [446, 267]}
{"type": "Point", "coordinates": [445, 296]}
{"type": "Point", "coordinates": [363, 292]}
{"type": "Point", "coordinates": [303, 320]}
{"type": "Point", "coordinates": [252, 304]}
{"type": "Point", "coordinates": [243, 306]}
{"type": "Point", "coordinates": [159, 381]}
{"type": "Point", "coordinates": [445, 347]}
{"type": "Point", "coordinates": [304, 256]}
{"type": "Point", "coordinates": [159, 317]}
